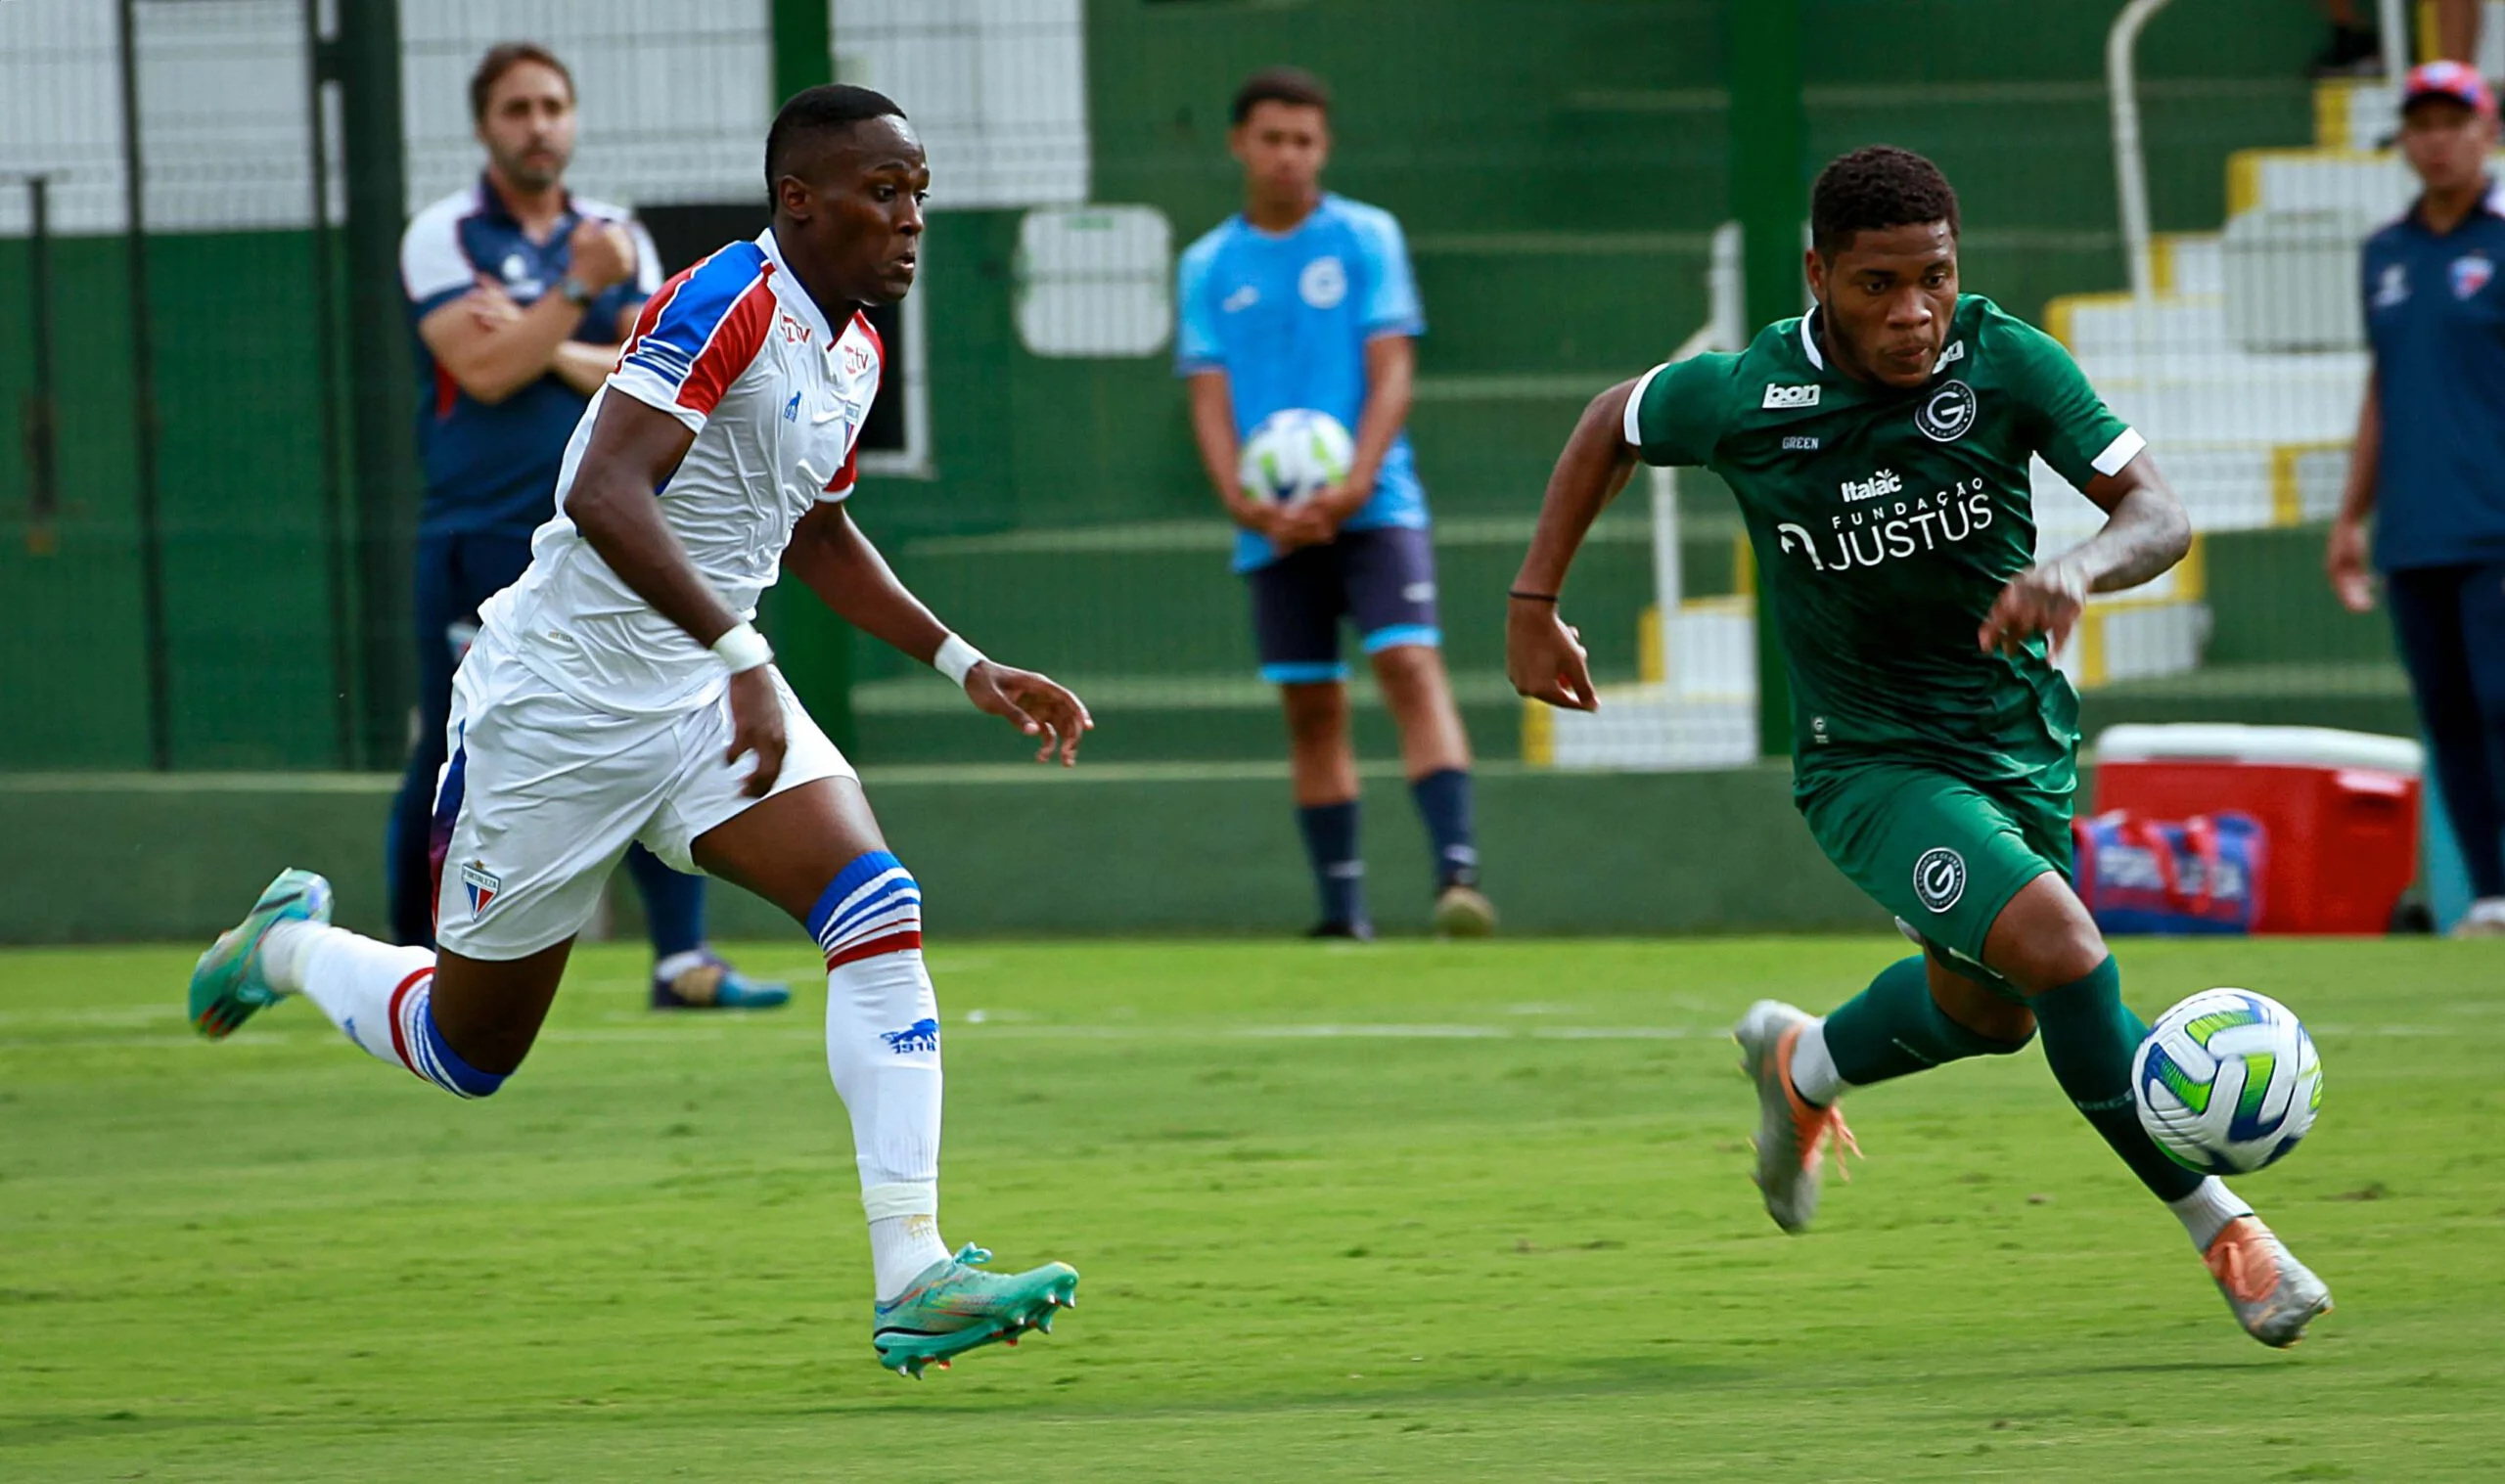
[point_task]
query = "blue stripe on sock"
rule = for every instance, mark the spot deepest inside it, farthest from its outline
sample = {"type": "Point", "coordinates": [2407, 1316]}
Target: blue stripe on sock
{"type": "Point", "coordinates": [864, 868]}
{"type": "Point", "coordinates": [873, 904]}
{"type": "Point", "coordinates": [445, 1068]}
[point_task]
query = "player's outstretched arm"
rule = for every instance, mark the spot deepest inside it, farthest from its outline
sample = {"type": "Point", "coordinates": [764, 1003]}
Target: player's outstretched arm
{"type": "Point", "coordinates": [838, 563]}
{"type": "Point", "coordinates": [2145, 533]}
{"type": "Point", "coordinates": [1544, 657]}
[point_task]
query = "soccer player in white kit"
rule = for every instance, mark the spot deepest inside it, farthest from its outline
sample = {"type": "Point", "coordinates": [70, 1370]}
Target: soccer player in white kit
{"type": "Point", "coordinates": [613, 690]}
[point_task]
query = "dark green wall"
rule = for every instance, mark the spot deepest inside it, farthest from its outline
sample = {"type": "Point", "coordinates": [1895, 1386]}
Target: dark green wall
{"type": "Point", "coordinates": [241, 511]}
{"type": "Point", "coordinates": [1026, 851]}
{"type": "Point", "coordinates": [1557, 165]}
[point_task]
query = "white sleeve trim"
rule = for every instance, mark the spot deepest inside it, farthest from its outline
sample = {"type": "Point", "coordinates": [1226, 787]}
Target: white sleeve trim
{"type": "Point", "coordinates": [2118, 453]}
{"type": "Point", "coordinates": [1635, 404]}
{"type": "Point", "coordinates": [432, 261]}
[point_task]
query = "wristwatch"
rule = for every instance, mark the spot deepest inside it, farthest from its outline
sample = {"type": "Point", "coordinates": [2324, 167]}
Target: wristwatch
{"type": "Point", "coordinates": [577, 292]}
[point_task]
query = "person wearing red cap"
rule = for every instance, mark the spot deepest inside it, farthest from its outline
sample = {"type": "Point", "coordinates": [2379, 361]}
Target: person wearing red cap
{"type": "Point", "coordinates": [2429, 465]}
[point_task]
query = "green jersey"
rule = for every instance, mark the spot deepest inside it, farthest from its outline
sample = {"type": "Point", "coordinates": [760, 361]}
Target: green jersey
{"type": "Point", "coordinates": [1886, 522]}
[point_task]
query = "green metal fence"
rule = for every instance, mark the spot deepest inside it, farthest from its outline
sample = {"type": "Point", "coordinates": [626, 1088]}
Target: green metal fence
{"type": "Point", "coordinates": [1562, 171]}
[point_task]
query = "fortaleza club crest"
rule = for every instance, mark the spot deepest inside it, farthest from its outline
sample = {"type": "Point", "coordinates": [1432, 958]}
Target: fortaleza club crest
{"type": "Point", "coordinates": [2471, 274]}
{"type": "Point", "coordinates": [1944, 415]}
{"type": "Point", "coordinates": [1940, 877]}
{"type": "Point", "coordinates": [483, 885]}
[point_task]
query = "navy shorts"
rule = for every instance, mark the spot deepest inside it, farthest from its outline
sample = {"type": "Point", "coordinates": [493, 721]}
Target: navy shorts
{"type": "Point", "coordinates": [1381, 580]}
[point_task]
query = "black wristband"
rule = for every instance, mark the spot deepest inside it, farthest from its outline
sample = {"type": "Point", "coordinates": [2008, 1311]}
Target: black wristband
{"type": "Point", "coordinates": [1532, 597]}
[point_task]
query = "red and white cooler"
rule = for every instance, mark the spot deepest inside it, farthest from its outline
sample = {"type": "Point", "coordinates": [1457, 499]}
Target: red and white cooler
{"type": "Point", "coordinates": [2341, 809]}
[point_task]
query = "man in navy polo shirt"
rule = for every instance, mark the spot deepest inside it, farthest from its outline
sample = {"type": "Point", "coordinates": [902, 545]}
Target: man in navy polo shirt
{"type": "Point", "coordinates": [520, 294]}
{"type": "Point", "coordinates": [2430, 459]}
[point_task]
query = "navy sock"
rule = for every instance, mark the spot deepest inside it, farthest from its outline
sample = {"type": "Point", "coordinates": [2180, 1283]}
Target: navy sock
{"type": "Point", "coordinates": [1331, 844]}
{"type": "Point", "coordinates": [2089, 1038]}
{"type": "Point", "coordinates": [673, 903]}
{"type": "Point", "coordinates": [1443, 802]}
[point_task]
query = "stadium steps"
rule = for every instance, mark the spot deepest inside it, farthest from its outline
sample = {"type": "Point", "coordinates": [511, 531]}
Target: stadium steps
{"type": "Point", "coordinates": [1157, 718]}
{"type": "Point", "coordinates": [1148, 623]}
{"type": "Point", "coordinates": [2256, 441]}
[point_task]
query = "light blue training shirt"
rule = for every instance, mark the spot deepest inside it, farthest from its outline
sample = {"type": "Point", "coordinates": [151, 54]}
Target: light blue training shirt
{"type": "Point", "coordinates": [1287, 318]}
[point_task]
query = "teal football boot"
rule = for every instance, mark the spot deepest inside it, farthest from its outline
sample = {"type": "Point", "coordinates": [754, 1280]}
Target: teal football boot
{"type": "Point", "coordinates": [952, 1308]}
{"type": "Point", "coordinates": [227, 984]}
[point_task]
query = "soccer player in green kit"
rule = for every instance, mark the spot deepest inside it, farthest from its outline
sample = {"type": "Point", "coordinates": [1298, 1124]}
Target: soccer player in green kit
{"type": "Point", "coordinates": [1878, 447]}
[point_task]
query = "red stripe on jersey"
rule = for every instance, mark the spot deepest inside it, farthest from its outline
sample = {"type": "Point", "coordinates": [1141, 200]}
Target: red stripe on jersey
{"type": "Point", "coordinates": [851, 474]}
{"type": "Point", "coordinates": [894, 942]}
{"type": "Point", "coordinates": [732, 345]}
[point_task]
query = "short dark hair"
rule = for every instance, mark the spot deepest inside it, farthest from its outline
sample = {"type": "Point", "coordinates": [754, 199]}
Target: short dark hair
{"type": "Point", "coordinates": [816, 111]}
{"type": "Point", "coordinates": [1873, 189]}
{"type": "Point", "coordinates": [1280, 84]}
{"type": "Point", "coordinates": [503, 58]}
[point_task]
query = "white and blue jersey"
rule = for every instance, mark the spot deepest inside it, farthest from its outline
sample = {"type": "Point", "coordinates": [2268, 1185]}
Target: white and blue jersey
{"type": "Point", "coordinates": [776, 395]}
{"type": "Point", "coordinates": [489, 466]}
{"type": "Point", "coordinates": [2435, 317]}
{"type": "Point", "coordinates": [1287, 317]}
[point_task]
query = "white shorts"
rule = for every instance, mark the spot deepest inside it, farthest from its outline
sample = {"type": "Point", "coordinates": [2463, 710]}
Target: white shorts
{"type": "Point", "coordinates": [542, 793]}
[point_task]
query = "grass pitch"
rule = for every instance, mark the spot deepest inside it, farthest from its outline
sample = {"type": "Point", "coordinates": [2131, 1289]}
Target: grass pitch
{"type": "Point", "coordinates": [1409, 1211]}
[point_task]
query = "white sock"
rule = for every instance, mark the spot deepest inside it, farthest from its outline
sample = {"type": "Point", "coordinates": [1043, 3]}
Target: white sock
{"type": "Point", "coordinates": [2206, 1212]}
{"type": "Point", "coordinates": [883, 1050]}
{"type": "Point", "coordinates": [668, 969]}
{"type": "Point", "coordinates": [351, 977]}
{"type": "Point", "coordinates": [902, 1247]}
{"type": "Point", "coordinates": [1813, 1070]}
{"type": "Point", "coordinates": [381, 996]}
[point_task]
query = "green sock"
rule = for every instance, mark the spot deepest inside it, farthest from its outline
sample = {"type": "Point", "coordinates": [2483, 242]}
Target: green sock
{"type": "Point", "coordinates": [1894, 1028]}
{"type": "Point", "coordinates": [2090, 1037]}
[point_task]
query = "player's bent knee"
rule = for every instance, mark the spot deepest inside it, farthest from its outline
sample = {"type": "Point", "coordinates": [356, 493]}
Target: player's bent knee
{"type": "Point", "coordinates": [2044, 938]}
{"type": "Point", "coordinates": [873, 907]}
{"type": "Point", "coordinates": [1997, 1027]}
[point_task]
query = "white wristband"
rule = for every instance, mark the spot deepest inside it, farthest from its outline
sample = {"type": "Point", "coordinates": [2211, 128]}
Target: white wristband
{"type": "Point", "coordinates": [743, 649]}
{"type": "Point", "coordinates": [956, 658]}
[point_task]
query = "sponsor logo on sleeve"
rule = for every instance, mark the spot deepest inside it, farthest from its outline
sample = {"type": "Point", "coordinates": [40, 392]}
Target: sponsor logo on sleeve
{"type": "Point", "coordinates": [1790, 398]}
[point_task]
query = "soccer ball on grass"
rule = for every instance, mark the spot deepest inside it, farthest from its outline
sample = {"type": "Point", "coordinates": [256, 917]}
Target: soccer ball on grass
{"type": "Point", "coordinates": [2227, 1081]}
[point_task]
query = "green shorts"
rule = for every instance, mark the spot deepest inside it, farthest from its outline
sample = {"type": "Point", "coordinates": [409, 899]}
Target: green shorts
{"type": "Point", "coordinates": [1942, 853]}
